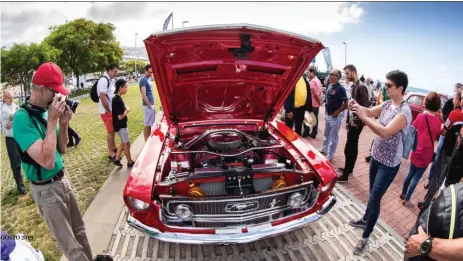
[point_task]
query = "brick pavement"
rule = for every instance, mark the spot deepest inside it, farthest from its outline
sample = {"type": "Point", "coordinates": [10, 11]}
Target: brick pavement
{"type": "Point", "coordinates": [400, 218]}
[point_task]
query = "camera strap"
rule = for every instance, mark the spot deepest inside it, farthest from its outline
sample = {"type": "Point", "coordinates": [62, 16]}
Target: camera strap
{"type": "Point", "coordinates": [35, 113]}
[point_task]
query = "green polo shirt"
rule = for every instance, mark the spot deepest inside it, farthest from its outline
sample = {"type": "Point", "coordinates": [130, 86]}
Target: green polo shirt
{"type": "Point", "coordinates": [26, 133]}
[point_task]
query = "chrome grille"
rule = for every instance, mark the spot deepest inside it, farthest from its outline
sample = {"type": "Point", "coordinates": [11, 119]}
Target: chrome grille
{"type": "Point", "coordinates": [230, 211]}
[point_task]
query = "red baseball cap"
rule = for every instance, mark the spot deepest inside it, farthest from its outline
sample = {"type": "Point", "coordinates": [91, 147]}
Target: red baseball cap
{"type": "Point", "coordinates": [51, 76]}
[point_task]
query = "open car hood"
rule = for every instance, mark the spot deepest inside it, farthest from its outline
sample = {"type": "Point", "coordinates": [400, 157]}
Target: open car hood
{"type": "Point", "coordinates": [227, 71]}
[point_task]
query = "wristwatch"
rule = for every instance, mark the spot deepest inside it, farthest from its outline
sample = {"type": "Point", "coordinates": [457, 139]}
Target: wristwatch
{"type": "Point", "coordinates": [426, 247]}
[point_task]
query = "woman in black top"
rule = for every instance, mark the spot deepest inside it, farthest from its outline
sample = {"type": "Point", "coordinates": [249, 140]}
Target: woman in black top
{"type": "Point", "coordinates": [119, 113]}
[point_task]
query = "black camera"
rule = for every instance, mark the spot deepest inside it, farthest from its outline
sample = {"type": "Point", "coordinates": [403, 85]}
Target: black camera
{"type": "Point", "coordinates": [72, 104]}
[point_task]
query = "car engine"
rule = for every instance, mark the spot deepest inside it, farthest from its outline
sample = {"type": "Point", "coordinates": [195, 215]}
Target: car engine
{"type": "Point", "coordinates": [235, 154]}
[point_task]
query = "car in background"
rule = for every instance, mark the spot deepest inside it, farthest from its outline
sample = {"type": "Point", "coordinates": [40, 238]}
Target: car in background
{"type": "Point", "coordinates": [219, 168]}
{"type": "Point", "coordinates": [416, 102]}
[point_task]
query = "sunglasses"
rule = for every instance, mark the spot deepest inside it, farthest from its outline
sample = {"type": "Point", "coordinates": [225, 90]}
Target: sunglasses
{"type": "Point", "coordinates": [388, 85]}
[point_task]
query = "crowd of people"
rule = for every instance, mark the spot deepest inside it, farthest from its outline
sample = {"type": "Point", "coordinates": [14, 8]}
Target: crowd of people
{"type": "Point", "coordinates": [390, 119]}
{"type": "Point", "coordinates": [37, 134]}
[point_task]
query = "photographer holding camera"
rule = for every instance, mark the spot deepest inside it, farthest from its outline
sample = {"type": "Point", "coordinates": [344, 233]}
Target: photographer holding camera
{"type": "Point", "coordinates": [41, 145]}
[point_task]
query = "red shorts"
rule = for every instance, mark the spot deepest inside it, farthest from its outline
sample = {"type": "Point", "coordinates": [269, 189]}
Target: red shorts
{"type": "Point", "coordinates": [108, 122]}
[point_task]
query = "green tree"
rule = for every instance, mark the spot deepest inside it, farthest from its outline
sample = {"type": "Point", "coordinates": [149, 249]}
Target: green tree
{"type": "Point", "coordinates": [21, 60]}
{"type": "Point", "coordinates": [129, 66]}
{"type": "Point", "coordinates": [85, 46]}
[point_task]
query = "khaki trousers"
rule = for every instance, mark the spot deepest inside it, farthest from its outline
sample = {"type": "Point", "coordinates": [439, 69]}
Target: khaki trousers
{"type": "Point", "coordinates": [58, 207]}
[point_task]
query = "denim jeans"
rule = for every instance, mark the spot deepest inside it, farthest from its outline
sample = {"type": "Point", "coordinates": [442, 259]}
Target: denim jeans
{"type": "Point", "coordinates": [381, 177]}
{"type": "Point", "coordinates": [434, 163]}
{"type": "Point", "coordinates": [413, 177]}
{"type": "Point", "coordinates": [331, 139]}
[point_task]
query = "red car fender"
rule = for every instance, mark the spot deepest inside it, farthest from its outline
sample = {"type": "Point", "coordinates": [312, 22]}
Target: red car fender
{"type": "Point", "coordinates": [140, 182]}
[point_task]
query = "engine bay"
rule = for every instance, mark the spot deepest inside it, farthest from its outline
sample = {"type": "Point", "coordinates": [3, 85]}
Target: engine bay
{"type": "Point", "coordinates": [238, 162]}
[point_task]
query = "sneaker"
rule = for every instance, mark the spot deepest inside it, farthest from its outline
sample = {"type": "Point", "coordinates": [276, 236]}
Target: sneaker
{"type": "Point", "coordinates": [402, 197]}
{"type": "Point", "coordinates": [130, 164]}
{"type": "Point", "coordinates": [360, 223]}
{"type": "Point", "coordinates": [368, 158]}
{"type": "Point", "coordinates": [70, 144]}
{"type": "Point", "coordinates": [118, 163]}
{"type": "Point", "coordinates": [360, 247]}
{"type": "Point", "coordinates": [343, 179]}
{"type": "Point", "coordinates": [22, 192]}
{"type": "Point", "coordinates": [408, 204]}
{"type": "Point", "coordinates": [77, 141]}
{"type": "Point", "coordinates": [421, 205]}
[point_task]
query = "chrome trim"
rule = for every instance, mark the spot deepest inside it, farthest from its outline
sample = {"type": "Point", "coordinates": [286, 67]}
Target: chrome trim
{"type": "Point", "coordinates": [233, 236]}
{"type": "Point", "coordinates": [228, 155]}
{"type": "Point", "coordinates": [167, 217]}
{"type": "Point", "coordinates": [254, 205]}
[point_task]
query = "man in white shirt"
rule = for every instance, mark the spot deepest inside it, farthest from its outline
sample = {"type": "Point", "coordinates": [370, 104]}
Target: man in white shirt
{"type": "Point", "coordinates": [105, 90]}
{"type": "Point", "coordinates": [7, 112]}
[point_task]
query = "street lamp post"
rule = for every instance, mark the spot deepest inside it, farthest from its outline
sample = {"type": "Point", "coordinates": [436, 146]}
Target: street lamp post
{"type": "Point", "coordinates": [184, 22]}
{"type": "Point", "coordinates": [345, 53]}
{"type": "Point", "coordinates": [135, 70]}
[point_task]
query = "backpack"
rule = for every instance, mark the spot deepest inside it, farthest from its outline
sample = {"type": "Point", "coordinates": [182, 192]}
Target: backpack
{"type": "Point", "coordinates": [94, 91]}
{"type": "Point", "coordinates": [443, 218]}
{"type": "Point", "coordinates": [409, 142]}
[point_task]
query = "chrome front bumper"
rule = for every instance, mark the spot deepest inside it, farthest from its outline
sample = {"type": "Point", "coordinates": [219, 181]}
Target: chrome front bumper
{"type": "Point", "coordinates": [234, 236]}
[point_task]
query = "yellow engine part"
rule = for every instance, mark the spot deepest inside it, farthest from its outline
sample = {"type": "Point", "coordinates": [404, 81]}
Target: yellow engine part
{"type": "Point", "coordinates": [195, 191]}
{"type": "Point", "coordinates": [281, 183]}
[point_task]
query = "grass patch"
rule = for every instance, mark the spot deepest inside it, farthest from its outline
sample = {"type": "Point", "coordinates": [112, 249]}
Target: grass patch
{"type": "Point", "coordinates": [86, 166]}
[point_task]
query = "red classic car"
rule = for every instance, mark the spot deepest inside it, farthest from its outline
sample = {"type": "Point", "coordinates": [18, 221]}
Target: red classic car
{"type": "Point", "coordinates": [219, 168]}
{"type": "Point", "coordinates": [416, 102]}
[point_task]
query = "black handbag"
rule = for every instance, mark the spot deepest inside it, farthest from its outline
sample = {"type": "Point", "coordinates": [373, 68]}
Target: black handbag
{"type": "Point", "coordinates": [443, 218]}
{"type": "Point", "coordinates": [430, 137]}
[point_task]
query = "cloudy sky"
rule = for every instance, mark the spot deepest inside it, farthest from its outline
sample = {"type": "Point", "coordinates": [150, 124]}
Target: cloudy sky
{"type": "Point", "coordinates": [422, 39]}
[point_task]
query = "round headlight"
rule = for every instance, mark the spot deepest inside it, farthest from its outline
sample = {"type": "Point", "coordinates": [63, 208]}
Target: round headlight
{"type": "Point", "coordinates": [183, 211]}
{"type": "Point", "coordinates": [295, 200]}
{"type": "Point", "coordinates": [137, 204]}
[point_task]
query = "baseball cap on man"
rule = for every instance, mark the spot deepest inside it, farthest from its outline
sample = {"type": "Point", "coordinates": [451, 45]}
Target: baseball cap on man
{"type": "Point", "coordinates": [51, 76]}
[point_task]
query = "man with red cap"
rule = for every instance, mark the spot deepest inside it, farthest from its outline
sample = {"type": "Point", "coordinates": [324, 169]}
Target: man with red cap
{"type": "Point", "coordinates": [41, 144]}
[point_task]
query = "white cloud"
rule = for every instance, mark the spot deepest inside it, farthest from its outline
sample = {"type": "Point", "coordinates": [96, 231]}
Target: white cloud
{"type": "Point", "coordinates": [29, 22]}
{"type": "Point", "coordinates": [443, 68]}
